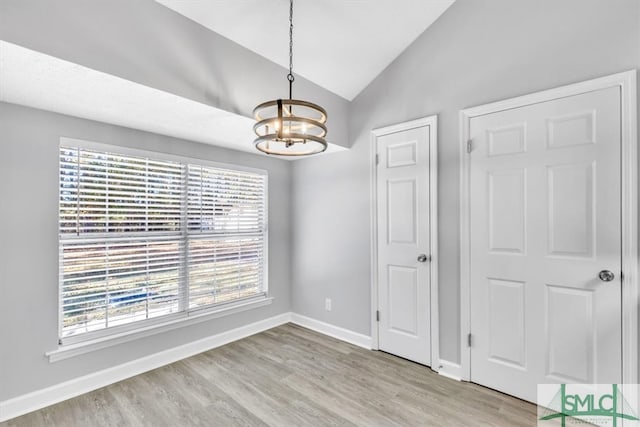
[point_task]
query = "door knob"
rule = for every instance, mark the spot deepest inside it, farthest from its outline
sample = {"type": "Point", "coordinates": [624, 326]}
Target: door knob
{"type": "Point", "coordinates": [423, 258]}
{"type": "Point", "coordinates": [606, 276]}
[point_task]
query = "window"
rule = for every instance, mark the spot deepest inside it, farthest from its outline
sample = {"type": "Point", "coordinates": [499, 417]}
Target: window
{"type": "Point", "coordinates": [144, 239]}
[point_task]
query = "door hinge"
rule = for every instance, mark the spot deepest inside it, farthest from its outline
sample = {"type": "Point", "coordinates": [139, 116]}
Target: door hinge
{"type": "Point", "coordinates": [377, 159]}
{"type": "Point", "coordinates": [377, 315]}
{"type": "Point", "coordinates": [469, 339]}
{"type": "Point", "coordinates": [469, 146]}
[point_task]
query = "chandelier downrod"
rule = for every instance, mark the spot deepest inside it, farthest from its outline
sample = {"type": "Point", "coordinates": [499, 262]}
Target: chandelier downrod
{"type": "Point", "coordinates": [282, 131]}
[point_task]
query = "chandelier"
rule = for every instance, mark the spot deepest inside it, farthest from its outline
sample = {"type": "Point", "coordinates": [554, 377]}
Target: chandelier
{"type": "Point", "coordinates": [290, 127]}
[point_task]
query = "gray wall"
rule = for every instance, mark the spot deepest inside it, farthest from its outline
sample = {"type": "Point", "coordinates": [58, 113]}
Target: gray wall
{"type": "Point", "coordinates": [479, 51]}
{"type": "Point", "coordinates": [145, 42]}
{"type": "Point", "coordinates": [29, 141]}
{"type": "Point", "coordinates": [142, 41]}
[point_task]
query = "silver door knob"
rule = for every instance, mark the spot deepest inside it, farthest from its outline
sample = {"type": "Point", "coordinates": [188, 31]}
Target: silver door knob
{"type": "Point", "coordinates": [422, 258]}
{"type": "Point", "coordinates": [606, 276]}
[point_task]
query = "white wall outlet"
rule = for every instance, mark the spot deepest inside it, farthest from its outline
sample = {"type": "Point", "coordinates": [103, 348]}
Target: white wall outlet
{"type": "Point", "coordinates": [327, 304]}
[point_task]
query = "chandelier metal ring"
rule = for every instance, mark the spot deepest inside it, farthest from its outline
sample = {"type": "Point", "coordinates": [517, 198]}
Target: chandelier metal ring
{"type": "Point", "coordinates": [267, 122]}
{"type": "Point", "coordinates": [290, 127]}
{"type": "Point", "coordinates": [273, 103]}
{"type": "Point", "coordinates": [262, 142]}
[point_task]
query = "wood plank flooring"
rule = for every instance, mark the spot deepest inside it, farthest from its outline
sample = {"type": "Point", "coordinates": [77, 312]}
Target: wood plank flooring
{"type": "Point", "coordinates": [287, 376]}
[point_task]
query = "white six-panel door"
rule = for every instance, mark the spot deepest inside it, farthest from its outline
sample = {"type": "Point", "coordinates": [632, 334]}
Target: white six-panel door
{"type": "Point", "coordinates": [545, 221]}
{"type": "Point", "coordinates": [403, 243]}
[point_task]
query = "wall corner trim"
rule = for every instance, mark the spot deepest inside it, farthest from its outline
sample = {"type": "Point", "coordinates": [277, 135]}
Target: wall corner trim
{"type": "Point", "coordinates": [337, 332]}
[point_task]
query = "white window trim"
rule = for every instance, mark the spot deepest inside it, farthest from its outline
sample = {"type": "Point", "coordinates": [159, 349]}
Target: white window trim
{"type": "Point", "coordinates": [148, 327]}
{"type": "Point", "coordinates": [71, 350]}
{"type": "Point", "coordinates": [158, 155]}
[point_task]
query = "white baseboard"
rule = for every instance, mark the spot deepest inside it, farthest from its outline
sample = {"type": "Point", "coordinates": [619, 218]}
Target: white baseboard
{"type": "Point", "coordinates": [450, 376]}
{"type": "Point", "coordinates": [57, 393]}
{"type": "Point", "coordinates": [448, 369]}
{"type": "Point", "coordinates": [351, 337]}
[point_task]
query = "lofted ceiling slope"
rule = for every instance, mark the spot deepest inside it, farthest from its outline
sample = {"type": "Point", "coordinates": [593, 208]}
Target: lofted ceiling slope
{"type": "Point", "coordinates": [341, 45]}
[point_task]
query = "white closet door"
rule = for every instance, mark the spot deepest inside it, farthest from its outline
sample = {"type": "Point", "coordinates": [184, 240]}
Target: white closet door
{"type": "Point", "coordinates": [403, 244]}
{"type": "Point", "coordinates": [545, 240]}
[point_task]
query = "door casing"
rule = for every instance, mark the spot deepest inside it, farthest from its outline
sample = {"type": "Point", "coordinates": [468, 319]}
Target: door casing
{"type": "Point", "coordinates": [626, 81]}
{"type": "Point", "coordinates": [432, 123]}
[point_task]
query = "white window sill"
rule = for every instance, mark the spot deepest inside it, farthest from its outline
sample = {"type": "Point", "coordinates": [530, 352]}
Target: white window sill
{"type": "Point", "coordinates": [76, 349]}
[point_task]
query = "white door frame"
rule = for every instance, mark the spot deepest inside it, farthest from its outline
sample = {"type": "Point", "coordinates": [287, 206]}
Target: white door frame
{"type": "Point", "coordinates": [626, 81]}
{"type": "Point", "coordinates": [432, 123]}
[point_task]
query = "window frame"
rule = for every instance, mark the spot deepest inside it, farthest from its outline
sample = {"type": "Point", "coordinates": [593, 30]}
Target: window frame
{"type": "Point", "coordinates": [169, 321]}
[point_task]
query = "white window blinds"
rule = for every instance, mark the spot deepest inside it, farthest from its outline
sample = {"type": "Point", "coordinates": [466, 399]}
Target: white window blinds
{"type": "Point", "coordinates": [142, 238]}
{"type": "Point", "coordinates": [226, 219]}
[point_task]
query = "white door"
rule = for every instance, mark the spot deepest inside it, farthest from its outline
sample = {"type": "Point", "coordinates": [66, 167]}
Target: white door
{"type": "Point", "coordinates": [545, 221]}
{"type": "Point", "coordinates": [403, 244]}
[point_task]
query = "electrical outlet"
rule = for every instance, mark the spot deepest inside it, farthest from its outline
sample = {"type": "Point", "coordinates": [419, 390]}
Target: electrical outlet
{"type": "Point", "coordinates": [327, 304]}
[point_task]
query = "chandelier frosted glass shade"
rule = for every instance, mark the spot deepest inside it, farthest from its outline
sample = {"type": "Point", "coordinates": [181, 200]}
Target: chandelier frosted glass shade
{"type": "Point", "coordinates": [290, 127]}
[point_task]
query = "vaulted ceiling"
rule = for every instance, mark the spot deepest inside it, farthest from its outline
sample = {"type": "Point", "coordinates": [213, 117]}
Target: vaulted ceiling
{"type": "Point", "coordinates": [341, 45]}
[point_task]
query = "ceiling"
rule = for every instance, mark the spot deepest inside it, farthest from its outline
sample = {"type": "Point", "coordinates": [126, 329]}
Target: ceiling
{"type": "Point", "coordinates": [42, 81]}
{"type": "Point", "coordinates": [341, 45]}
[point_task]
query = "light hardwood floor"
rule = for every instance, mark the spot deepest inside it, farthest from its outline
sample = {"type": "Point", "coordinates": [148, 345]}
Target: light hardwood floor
{"type": "Point", "coordinates": [287, 376]}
